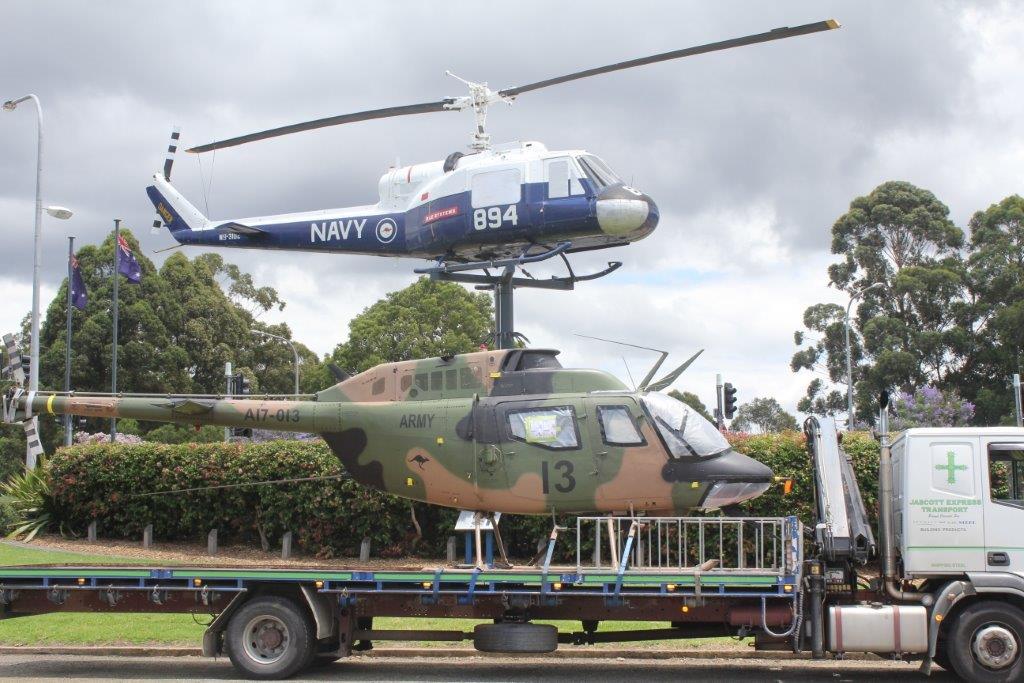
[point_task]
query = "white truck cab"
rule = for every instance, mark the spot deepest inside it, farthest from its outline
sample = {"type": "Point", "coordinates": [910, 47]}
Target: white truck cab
{"type": "Point", "coordinates": [959, 500]}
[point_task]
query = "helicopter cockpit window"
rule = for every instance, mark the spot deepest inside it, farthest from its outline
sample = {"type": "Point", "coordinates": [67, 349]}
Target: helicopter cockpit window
{"type": "Point", "coordinates": [598, 171]}
{"type": "Point", "coordinates": [618, 427]}
{"type": "Point", "coordinates": [553, 427]}
{"type": "Point", "coordinates": [685, 432]}
{"type": "Point", "coordinates": [494, 188]}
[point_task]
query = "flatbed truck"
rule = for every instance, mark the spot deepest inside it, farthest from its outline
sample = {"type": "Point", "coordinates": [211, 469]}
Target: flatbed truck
{"type": "Point", "coordinates": [949, 588]}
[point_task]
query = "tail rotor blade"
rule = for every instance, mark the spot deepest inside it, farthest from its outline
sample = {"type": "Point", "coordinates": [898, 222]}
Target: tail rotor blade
{"type": "Point", "coordinates": [775, 34]}
{"type": "Point", "coordinates": [14, 370]}
{"type": "Point", "coordinates": [172, 149]}
{"type": "Point", "coordinates": [35, 446]}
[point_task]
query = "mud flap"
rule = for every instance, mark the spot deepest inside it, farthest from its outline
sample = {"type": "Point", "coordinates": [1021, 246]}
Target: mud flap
{"type": "Point", "coordinates": [948, 596]}
{"type": "Point", "coordinates": [323, 614]}
{"type": "Point", "coordinates": [213, 643]}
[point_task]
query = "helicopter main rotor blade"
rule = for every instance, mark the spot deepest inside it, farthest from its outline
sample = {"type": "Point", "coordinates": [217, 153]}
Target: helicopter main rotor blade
{"type": "Point", "coordinates": [387, 112]}
{"type": "Point", "coordinates": [775, 34]}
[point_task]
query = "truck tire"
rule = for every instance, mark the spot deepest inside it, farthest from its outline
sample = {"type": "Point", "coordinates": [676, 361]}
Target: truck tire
{"type": "Point", "coordinates": [986, 643]}
{"type": "Point", "coordinates": [512, 637]}
{"type": "Point", "coordinates": [270, 637]}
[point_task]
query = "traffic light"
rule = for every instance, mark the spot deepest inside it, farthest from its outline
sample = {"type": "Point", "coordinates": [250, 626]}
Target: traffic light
{"type": "Point", "coordinates": [729, 392]}
{"type": "Point", "coordinates": [240, 386]}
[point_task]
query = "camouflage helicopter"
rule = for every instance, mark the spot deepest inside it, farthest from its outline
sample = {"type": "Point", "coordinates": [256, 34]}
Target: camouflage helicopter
{"type": "Point", "coordinates": [491, 431]}
{"type": "Point", "coordinates": [491, 203]}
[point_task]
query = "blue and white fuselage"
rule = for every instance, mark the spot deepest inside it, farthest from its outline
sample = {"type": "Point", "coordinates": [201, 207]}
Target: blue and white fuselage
{"type": "Point", "coordinates": [469, 207]}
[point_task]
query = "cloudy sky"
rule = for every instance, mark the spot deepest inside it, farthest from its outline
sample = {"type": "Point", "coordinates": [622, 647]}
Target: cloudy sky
{"type": "Point", "coordinates": [750, 154]}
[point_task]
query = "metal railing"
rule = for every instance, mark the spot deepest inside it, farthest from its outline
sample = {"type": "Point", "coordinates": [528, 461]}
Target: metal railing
{"type": "Point", "coordinates": [706, 544]}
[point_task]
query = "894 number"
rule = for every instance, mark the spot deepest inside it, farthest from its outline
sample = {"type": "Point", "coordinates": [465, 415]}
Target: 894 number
{"type": "Point", "coordinates": [493, 217]}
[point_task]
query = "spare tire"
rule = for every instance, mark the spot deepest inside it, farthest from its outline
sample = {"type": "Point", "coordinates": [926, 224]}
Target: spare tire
{"type": "Point", "coordinates": [510, 637]}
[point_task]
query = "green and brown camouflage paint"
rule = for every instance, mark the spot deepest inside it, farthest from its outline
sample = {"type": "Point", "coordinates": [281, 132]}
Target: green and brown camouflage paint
{"type": "Point", "coordinates": [435, 430]}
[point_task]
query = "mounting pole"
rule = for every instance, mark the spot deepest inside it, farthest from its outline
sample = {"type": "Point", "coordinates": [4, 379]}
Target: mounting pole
{"type": "Point", "coordinates": [504, 311]}
{"type": "Point", "coordinates": [505, 283]}
{"type": "Point", "coordinates": [1016, 399]}
{"type": "Point", "coordinates": [113, 361]}
{"type": "Point", "coordinates": [67, 344]}
{"type": "Point", "coordinates": [229, 379]}
{"type": "Point", "coordinates": [720, 398]}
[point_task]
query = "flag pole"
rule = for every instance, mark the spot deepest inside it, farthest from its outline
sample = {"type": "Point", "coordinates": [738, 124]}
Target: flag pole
{"type": "Point", "coordinates": [113, 366]}
{"type": "Point", "coordinates": [67, 350]}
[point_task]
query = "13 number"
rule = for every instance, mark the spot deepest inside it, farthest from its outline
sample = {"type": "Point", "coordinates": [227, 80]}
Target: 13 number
{"type": "Point", "coordinates": [494, 218]}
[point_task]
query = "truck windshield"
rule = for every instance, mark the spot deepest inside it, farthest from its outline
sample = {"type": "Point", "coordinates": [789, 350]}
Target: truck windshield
{"type": "Point", "coordinates": [598, 171]}
{"type": "Point", "coordinates": [685, 432]}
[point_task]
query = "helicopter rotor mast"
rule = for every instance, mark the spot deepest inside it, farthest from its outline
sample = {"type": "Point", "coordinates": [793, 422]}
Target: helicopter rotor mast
{"type": "Point", "coordinates": [480, 97]}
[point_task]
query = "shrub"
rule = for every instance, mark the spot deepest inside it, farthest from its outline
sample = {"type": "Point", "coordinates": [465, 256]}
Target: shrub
{"type": "Point", "coordinates": [100, 437]}
{"type": "Point", "coordinates": [106, 482]}
{"type": "Point", "coordinates": [29, 495]}
{"type": "Point", "coordinates": [12, 450]}
{"type": "Point", "coordinates": [786, 454]}
{"type": "Point", "coordinates": [172, 433]}
{"type": "Point", "coordinates": [331, 516]}
{"type": "Point", "coordinates": [8, 516]}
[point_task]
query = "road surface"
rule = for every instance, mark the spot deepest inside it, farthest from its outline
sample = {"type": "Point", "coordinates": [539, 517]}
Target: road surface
{"type": "Point", "coordinates": [433, 669]}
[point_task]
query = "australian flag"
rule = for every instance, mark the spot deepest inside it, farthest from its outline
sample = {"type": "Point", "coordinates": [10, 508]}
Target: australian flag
{"type": "Point", "coordinates": [78, 296]}
{"type": "Point", "coordinates": [126, 263]}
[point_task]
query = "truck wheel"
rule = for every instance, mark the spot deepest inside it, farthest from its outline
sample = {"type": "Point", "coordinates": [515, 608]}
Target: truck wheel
{"type": "Point", "coordinates": [270, 637]}
{"type": "Point", "coordinates": [515, 638]}
{"type": "Point", "coordinates": [986, 642]}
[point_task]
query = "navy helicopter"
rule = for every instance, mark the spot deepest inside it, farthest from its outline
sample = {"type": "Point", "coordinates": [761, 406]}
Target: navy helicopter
{"type": "Point", "coordinates": [468, 211]}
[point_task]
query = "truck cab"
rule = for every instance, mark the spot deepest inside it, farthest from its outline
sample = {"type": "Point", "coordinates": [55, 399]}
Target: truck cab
{"type": "Point", "coordinates": [959, 500]}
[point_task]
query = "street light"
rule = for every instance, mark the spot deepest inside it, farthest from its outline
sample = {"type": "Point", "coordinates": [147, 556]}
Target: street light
{"type": "Point", "coordinates": [849, 361]}
{"type": "Point", "coordinates": [56, 212]}
{"type": "Point", "coordinates": [294, 353]}
{"type": "Point", "coordinates": [33, 377]}
{"type": "Point", "coordinates": [60, 212]}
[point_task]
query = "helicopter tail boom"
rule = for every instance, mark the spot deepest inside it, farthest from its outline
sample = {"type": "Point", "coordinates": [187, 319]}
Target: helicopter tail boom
{"type": "Point", "coordinates": [177, 213]}
{"type": "Point", "coordinates": [263, 413]}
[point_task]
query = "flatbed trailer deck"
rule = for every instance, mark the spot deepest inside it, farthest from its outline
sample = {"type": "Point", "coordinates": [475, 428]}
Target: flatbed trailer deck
{"type": "Point", "coordinates": [718, 596]}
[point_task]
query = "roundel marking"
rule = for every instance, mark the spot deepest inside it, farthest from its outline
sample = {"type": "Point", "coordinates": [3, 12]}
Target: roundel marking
{"type": "Point", "coordinates": [386, 230]}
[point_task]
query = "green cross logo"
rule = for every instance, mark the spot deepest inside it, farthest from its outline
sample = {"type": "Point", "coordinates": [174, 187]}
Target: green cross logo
{"type": "Point", "coordinates": [951, 467]}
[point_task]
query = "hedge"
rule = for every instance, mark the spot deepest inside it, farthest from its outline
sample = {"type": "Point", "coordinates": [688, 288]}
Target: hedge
{"type": "Point", "coordinates": [107, 482]}
{"type": "Point", "coordinates": [786, 454]}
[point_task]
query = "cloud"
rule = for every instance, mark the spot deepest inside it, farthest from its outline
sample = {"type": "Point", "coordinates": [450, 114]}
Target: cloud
{"type": "Point", "coordinates": [751, 154]}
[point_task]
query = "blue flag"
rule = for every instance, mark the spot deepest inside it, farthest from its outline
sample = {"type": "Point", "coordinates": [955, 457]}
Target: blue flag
{"type": "Point", "coordinates": [126, 263]}
{"type": "Point", "coordinates": [78, 296]}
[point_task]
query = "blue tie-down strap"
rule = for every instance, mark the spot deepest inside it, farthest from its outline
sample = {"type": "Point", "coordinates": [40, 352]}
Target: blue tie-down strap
{"type": "Point", "coordinates": [544, 584]}
{"type": "Point", "coordinates": [467, 599]}
{"type": "Point", "coordinates": [622, 564]}
{"type": "Point", "coordinates": [435, 590]}
{"type": "Point", "coordinates": [437, 585]}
